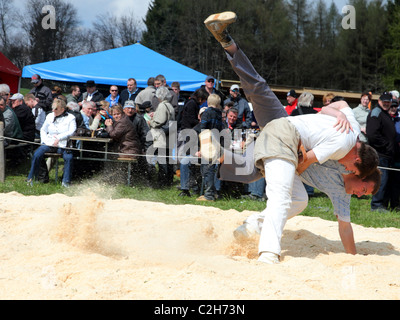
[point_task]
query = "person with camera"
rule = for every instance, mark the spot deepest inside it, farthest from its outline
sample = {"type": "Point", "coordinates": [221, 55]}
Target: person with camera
{"type": "Point", "coordinates": [120, 128]}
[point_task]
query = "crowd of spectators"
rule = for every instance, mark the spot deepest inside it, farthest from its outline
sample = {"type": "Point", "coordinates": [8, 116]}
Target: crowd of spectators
{"type": "Point", "coordinates": [138, 119]}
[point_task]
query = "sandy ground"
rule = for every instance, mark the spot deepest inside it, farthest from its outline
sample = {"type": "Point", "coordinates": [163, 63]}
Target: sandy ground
{"type": "Point", "coordinates": [59, 247]}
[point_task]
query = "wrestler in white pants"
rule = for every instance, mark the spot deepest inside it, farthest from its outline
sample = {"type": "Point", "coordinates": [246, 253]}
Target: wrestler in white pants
{"type": "Point", "coordinates": [289, 199]}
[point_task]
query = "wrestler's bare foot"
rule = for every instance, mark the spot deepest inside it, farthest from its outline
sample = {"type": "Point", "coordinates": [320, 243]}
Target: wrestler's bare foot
{"type": "Point", "coordinates": [217, 24]}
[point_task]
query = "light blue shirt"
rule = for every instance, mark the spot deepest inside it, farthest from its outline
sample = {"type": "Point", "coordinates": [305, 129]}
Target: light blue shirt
{"type": "Point", "coordinates": [328, 179]}
{"type": "Point", "coordinates": [86, 120]}
{"type": "Point", "coordinates": [112, 102]}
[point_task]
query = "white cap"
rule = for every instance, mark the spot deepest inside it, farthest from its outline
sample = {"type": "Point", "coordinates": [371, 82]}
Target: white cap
{"type": "Point", "coordinates": [234, 87]}
{"type": "Point", "coordinates": [129, 104]}
{"type": "Point", "coordinates": [17, 96]}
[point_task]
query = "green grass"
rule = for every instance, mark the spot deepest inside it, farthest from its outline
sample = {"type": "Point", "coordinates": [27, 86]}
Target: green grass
{"type": "Point", "coordinates": [319, 205]}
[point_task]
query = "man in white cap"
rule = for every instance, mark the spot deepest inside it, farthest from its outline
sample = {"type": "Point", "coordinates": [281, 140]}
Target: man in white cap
{"type": "Point", "coordinates": [41, 92]}
{"type": "Point", "coordinates": [25, 116]}
{"type": "Point", "coordinates": [241, 104]}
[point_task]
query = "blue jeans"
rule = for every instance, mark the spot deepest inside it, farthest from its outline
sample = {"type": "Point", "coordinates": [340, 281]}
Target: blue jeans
{"type": "Point", "coordinates": [209, 173]}
{"type": "Point", "coordinates": [257, 188]}
{"type": "Point", "coordinates": [185, 173]}
{"type": "Point", "coordinates": [381, 199]}
{"type": "Point", "coordinates": [39, 155]}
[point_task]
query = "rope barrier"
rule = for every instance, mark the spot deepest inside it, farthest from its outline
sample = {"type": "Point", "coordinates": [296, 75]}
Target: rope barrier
{"type": "Point", "coordinates": [97, 151]}
{"type": "Point", "coordinates": [136, 155]}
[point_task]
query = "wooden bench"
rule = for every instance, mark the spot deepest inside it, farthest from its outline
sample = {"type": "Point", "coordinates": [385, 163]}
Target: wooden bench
{"type": "Point", "coordinates": [56, 157]}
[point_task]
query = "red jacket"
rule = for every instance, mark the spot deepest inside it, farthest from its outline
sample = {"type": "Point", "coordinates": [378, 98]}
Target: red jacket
{"type": "Point", "coordinates": [289, 109]}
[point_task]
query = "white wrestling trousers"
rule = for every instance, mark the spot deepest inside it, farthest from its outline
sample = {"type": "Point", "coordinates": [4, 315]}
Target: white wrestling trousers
{"type": "Point", "coordinates": [287, 198]}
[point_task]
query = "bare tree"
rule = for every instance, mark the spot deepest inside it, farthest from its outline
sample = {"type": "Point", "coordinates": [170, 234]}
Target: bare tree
{"type": "Point", "coordinates": [113, 32]}
{"type": "Point", "coordinates": [129, 29]}
{"type": "Point", "coordinates": [46, 44]}
{"type": "Point", "coordinates": [7, 22]}
{"type": "Point", "coordinates": [105, 27]}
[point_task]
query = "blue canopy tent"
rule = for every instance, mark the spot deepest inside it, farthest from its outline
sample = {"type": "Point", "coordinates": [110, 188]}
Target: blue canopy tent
{"type": "Point", "coordinates": [116, 66]}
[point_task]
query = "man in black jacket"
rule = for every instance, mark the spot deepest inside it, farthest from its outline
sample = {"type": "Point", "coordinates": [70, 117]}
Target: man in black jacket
{"type": "Point", "coordinates": [25, 116]}
{"type": "Point", "coordinates": [130, 93]}
{"type": "Point", "coordinates": [188, 114]}
{"type": "Point", "coordinates": [91, 94]}
{"type": "Point", "coordinates": [27, 123]}
{"type": "Point", "coordinates": [381, 135]}
{"type": "Point", "coordinates": [41, 92]}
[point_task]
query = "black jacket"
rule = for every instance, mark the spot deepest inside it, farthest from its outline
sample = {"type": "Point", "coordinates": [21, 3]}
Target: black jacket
{"type": "Point", "coordinates": [124, 96]}
{"type": "Point", "coordinates": [381, 132]}
{"type": "Point", "coordinates": [188, 115]}
{"type": "Point", "coordinates": [97, 97]}
{"type": "Point", "coordinates": [44, 95]}
{"type": "Point", "coordinates": [142, 129]}
{"type": "Point", "coordinates": [212, 119]}
{"type": "Point", "coordinates": [26, 121]}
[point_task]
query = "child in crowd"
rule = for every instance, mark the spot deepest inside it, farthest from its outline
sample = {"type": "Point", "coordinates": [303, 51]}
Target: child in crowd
{"type": "Point", "coordinates": [211, 119]}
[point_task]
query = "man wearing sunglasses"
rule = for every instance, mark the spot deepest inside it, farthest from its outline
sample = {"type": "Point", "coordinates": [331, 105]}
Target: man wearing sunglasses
{"type": "Point", "coordinates": [209, 85]}
{"type": "Point", "coordinates": [113, 98]}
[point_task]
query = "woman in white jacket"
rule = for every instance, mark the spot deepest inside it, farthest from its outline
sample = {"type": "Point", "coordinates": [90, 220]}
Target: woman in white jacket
{"type": "Point", "coordinates": [54, 134]}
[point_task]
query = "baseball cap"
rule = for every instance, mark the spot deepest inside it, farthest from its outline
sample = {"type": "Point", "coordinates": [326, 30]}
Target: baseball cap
{"type": "Point", "coordinates": [234, 87]}
{"type": "Point", "coordinates": [35, 79]}
{"type": "Point", "coordinates": [292, 93]}
{"type": "Point", "coordinates": [17, 96]}
{"type": "Point", "coordinates": [129, 104]}
{"type": "Point", "coordinates": [210, 78]}
{"type": "Point", "coordinates": [386, 96]}
{"type": "Point", "coordinates": [145, 105]}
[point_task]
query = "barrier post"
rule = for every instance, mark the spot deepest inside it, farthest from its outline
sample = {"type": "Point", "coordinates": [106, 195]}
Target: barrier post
{"type": "Point", "coordinates": [2, 155]}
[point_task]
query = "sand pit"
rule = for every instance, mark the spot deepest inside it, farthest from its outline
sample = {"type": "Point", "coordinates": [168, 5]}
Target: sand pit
{"type": "Point", "coordinates": [59, 247]}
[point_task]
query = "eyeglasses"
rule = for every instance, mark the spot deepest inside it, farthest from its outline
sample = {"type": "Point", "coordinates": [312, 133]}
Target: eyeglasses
{"type": "Point", "coordinates": [114, 90]}
{"type": "Point", "coordinates": [211, 80]}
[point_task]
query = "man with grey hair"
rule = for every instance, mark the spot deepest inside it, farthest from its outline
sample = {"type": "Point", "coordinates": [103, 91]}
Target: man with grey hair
{"type": "Point", "coordinates": [148, 94]}
{"type": "Point", "coordinates": [74, 109]}
{"type": "Point", "coordinates": [305, 104]}
{"type": "Point", "coordinates": [160, 131]}
{"type": "Point", "coordinates": [12, 129]}
{"type": "Point", "coordinates": [161, 81]}
{"type": "Point", "coordinates": [5, 92]}
{"type": "Point", "coordinates": [87, 111]}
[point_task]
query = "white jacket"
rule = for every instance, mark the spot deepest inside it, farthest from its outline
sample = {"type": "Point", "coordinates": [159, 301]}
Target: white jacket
{"type": "Point", "coordinates": [61, 128]}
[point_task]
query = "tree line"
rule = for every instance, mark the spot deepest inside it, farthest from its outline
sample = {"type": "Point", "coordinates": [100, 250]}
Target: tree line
{"type": "Point", "coordinates": [299, 43]}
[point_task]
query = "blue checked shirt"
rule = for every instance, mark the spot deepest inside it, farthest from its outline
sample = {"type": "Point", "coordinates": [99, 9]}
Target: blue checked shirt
{"type": "Point", "coordinates": [328, 179]}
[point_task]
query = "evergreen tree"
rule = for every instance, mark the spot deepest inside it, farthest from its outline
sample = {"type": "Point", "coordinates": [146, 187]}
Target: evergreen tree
{"type": "Point", "coordinates": [392, 51]}
{"type": "Point", "coordinates": [361, 50]}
